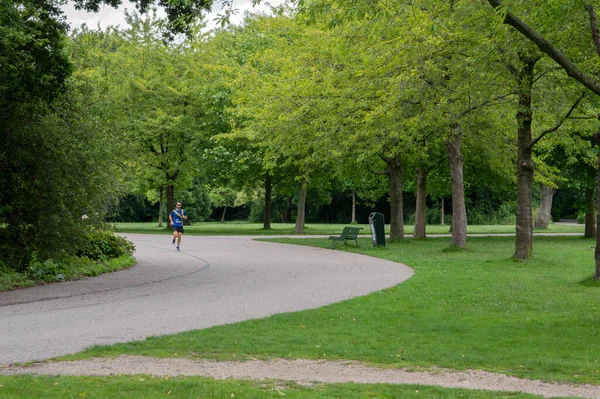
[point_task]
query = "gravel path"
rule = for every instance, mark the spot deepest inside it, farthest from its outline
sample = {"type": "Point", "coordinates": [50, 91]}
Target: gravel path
{"type": "Point", "coordinates": [303, 372]}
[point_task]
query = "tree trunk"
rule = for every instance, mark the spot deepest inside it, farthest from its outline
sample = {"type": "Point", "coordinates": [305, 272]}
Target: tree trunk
{"type": "Point", "coordinates": [160, 206]}
{"type": "Point", "coordinates": [543, 217]}
{"type": "Point", "coordinates": [353, 207]}
{"type": "Point", "coordinates": [170, 198]}
{"type": "Point", "coordinates": [395, 175]}
{"type": "Point", "coordinates": [459, 210]}
{"type": "Point", "coordinates": [443, 216]}
{"type": "Point", "coordinates": [288, 210]}
{"type": "Point", "coordinates": [597, 251]}
{"type": "Point", "coordinates": [268, 202]}
{"type": "Point", "coordinates": [223, 214]}
{"type": "Point", "coordinates": [525, 167]}
{"type": "Point", "coordinates": [590, 226]}
{"type": "Point", "coordinates": [300, 216]}
{"type": "Point", "coordinates": [421, 213]}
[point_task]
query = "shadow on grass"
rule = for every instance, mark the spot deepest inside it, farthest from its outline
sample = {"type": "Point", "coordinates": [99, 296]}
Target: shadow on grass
{"type": "Point", "coordinates": [590, 282]}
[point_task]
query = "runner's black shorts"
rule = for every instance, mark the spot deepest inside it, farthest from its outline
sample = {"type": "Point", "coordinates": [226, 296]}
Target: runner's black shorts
{"type": "Point", "coordinates": [178, 228]}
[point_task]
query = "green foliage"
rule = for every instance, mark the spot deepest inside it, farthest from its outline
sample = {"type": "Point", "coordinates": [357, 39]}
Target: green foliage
{"type": "Point", "coordinates": [68, 268]}
{"type": "Point", "coordinates": [33, 71]}
{"type": "Point", "coordinates": [480, 214]}
{"type": "Point", "coordinates": [149, 387]}
{"type": "Point", "coordinates": [197, 201]}
{"type": "Point", "coordinates": [33, 63]}
{"type": "Point", "coordinates": [104, 244]}
{"type": "Point", "coordinates": [48, 270]}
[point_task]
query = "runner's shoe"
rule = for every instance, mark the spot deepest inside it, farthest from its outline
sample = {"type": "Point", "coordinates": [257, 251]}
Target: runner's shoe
{"type": "Point", "coordinates": [178, 248]}
{"type": "Point", "coordinates": [173, 240]}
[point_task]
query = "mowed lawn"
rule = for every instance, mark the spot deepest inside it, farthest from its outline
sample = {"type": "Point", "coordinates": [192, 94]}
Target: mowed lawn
{"type": "Point", "coordinates": [247, 228]}
{"type": "Point", "coordinates": [474, 309]}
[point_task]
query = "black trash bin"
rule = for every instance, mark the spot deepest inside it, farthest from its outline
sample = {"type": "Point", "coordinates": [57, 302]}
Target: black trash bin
{"type": "Point", "coordinates": [377, 223]}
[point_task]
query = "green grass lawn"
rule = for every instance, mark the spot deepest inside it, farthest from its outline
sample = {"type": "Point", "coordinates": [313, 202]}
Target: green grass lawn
{"type": "Point", "coordinates": [246, 228]}
{"type": "Point", "coordinates": [121, 387]}
{"type": "Point", "coordinates": [474, 309]}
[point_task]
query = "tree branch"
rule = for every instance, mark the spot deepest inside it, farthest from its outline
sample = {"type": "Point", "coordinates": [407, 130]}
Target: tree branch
{"type": "Point", "coordinates": [547, 48]}
{"type": "Point", "coordinates": [487, 102]}
{"type": "Point", "coordinates": [559, 124]}
{"type": "Point", "coordinates": [594, 27]}
{"type": "Point", "coordinates": [378, 173]}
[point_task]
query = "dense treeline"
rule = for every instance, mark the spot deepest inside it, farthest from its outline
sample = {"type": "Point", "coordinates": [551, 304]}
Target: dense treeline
{"type": "Point", "coordinates": [323, 111]}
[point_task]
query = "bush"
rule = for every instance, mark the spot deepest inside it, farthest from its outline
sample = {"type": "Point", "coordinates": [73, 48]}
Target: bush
{"type": "Point", "coordinates": [104, 244]}
{"type": "Point", "coordinates": [504, 214]}
{"type": "Point", "coordinates": [47, 270]}
{"type": "Point", "coordinates": [69, 268]}
{"type": "Point", "coordinates": [11, 279]}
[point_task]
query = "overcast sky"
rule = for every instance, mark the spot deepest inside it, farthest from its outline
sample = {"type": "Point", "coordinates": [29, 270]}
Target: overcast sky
{"type": "Point", "coordinates": [110, 16]}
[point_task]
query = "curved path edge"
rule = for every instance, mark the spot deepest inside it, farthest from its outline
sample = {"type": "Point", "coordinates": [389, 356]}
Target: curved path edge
{"type": "Point", "coordinates": [306, 372]}
{"type": "Point", "coordinates": [211, 281]}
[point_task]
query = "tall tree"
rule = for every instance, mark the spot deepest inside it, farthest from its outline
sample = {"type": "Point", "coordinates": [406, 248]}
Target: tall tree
{"type": "Point", "coordinates": [56, 158]}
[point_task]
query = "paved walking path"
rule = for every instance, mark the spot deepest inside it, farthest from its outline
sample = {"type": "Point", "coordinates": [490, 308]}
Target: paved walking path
{"type": "Point", "coordinates": [212, 281]}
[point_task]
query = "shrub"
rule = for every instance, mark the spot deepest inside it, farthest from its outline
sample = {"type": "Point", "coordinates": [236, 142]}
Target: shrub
{"type": "Point", "coordinates": [48, 270]}
{"type": "Point", "coordinates": [481, 215]}
{"type": "Point", "coordinates": [104, 244]}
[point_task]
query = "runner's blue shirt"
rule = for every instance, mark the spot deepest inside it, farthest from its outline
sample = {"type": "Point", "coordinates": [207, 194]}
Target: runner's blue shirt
{"type": "Point", "coordinates": [177, 216]}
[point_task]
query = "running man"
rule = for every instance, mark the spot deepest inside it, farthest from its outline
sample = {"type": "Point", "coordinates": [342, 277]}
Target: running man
{"type": "Point", "coordinates": [176, 218]}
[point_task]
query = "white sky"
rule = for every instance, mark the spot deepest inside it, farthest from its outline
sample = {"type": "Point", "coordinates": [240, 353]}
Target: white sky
{"type": "Point", "coordinates": [109, 16]}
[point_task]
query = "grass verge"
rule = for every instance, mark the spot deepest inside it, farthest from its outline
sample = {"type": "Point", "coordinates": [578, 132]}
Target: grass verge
{"type": "Point", "coordinates": [246, 228]}
{"type": "Point", "coordinates": [205, 388]}
{"type": "Point", "coordinates": [474, 309]}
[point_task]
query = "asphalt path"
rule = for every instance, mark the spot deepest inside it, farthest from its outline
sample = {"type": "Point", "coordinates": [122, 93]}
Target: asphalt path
{"type": "Point", "coordinates": [212, 281]}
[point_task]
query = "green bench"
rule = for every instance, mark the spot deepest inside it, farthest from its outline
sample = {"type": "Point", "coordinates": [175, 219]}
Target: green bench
{"type": "Point", "coordinates": [349, 233]}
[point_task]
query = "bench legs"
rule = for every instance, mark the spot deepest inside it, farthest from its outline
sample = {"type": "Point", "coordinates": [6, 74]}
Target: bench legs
{"type": "Point", "coordinates": [345, 242]}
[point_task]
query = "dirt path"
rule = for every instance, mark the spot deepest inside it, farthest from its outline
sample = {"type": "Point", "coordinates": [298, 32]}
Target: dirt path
{"type": "Point", "coordinates": [303, 372]}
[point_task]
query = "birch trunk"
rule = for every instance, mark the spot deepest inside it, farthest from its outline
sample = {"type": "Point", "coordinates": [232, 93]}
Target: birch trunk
{"type": "Point", "coordinates": [353, 207]}
{"type": "Point", "coordinates": [443, 216]}
{"type": "Point", "coordinates": [170, 198]}
{"type": "Point", "coordinates": [160, 207]}
{"type": "Point", "coordinates": [268, 202]}
{"type": "Point", "coordinates": [543, 218]}
{"type": "Point", "coordinates": [421, 212]}
{"type": "Point", "coordinates": [300, 216]}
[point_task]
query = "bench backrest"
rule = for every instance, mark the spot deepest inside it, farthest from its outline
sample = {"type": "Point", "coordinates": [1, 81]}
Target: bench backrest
{"type": "Point", "coordinates": [351, 231]}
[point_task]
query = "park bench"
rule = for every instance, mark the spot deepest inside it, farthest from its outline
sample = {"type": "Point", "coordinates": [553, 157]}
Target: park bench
{"type": "Point", "coordinates": [349, 233]}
